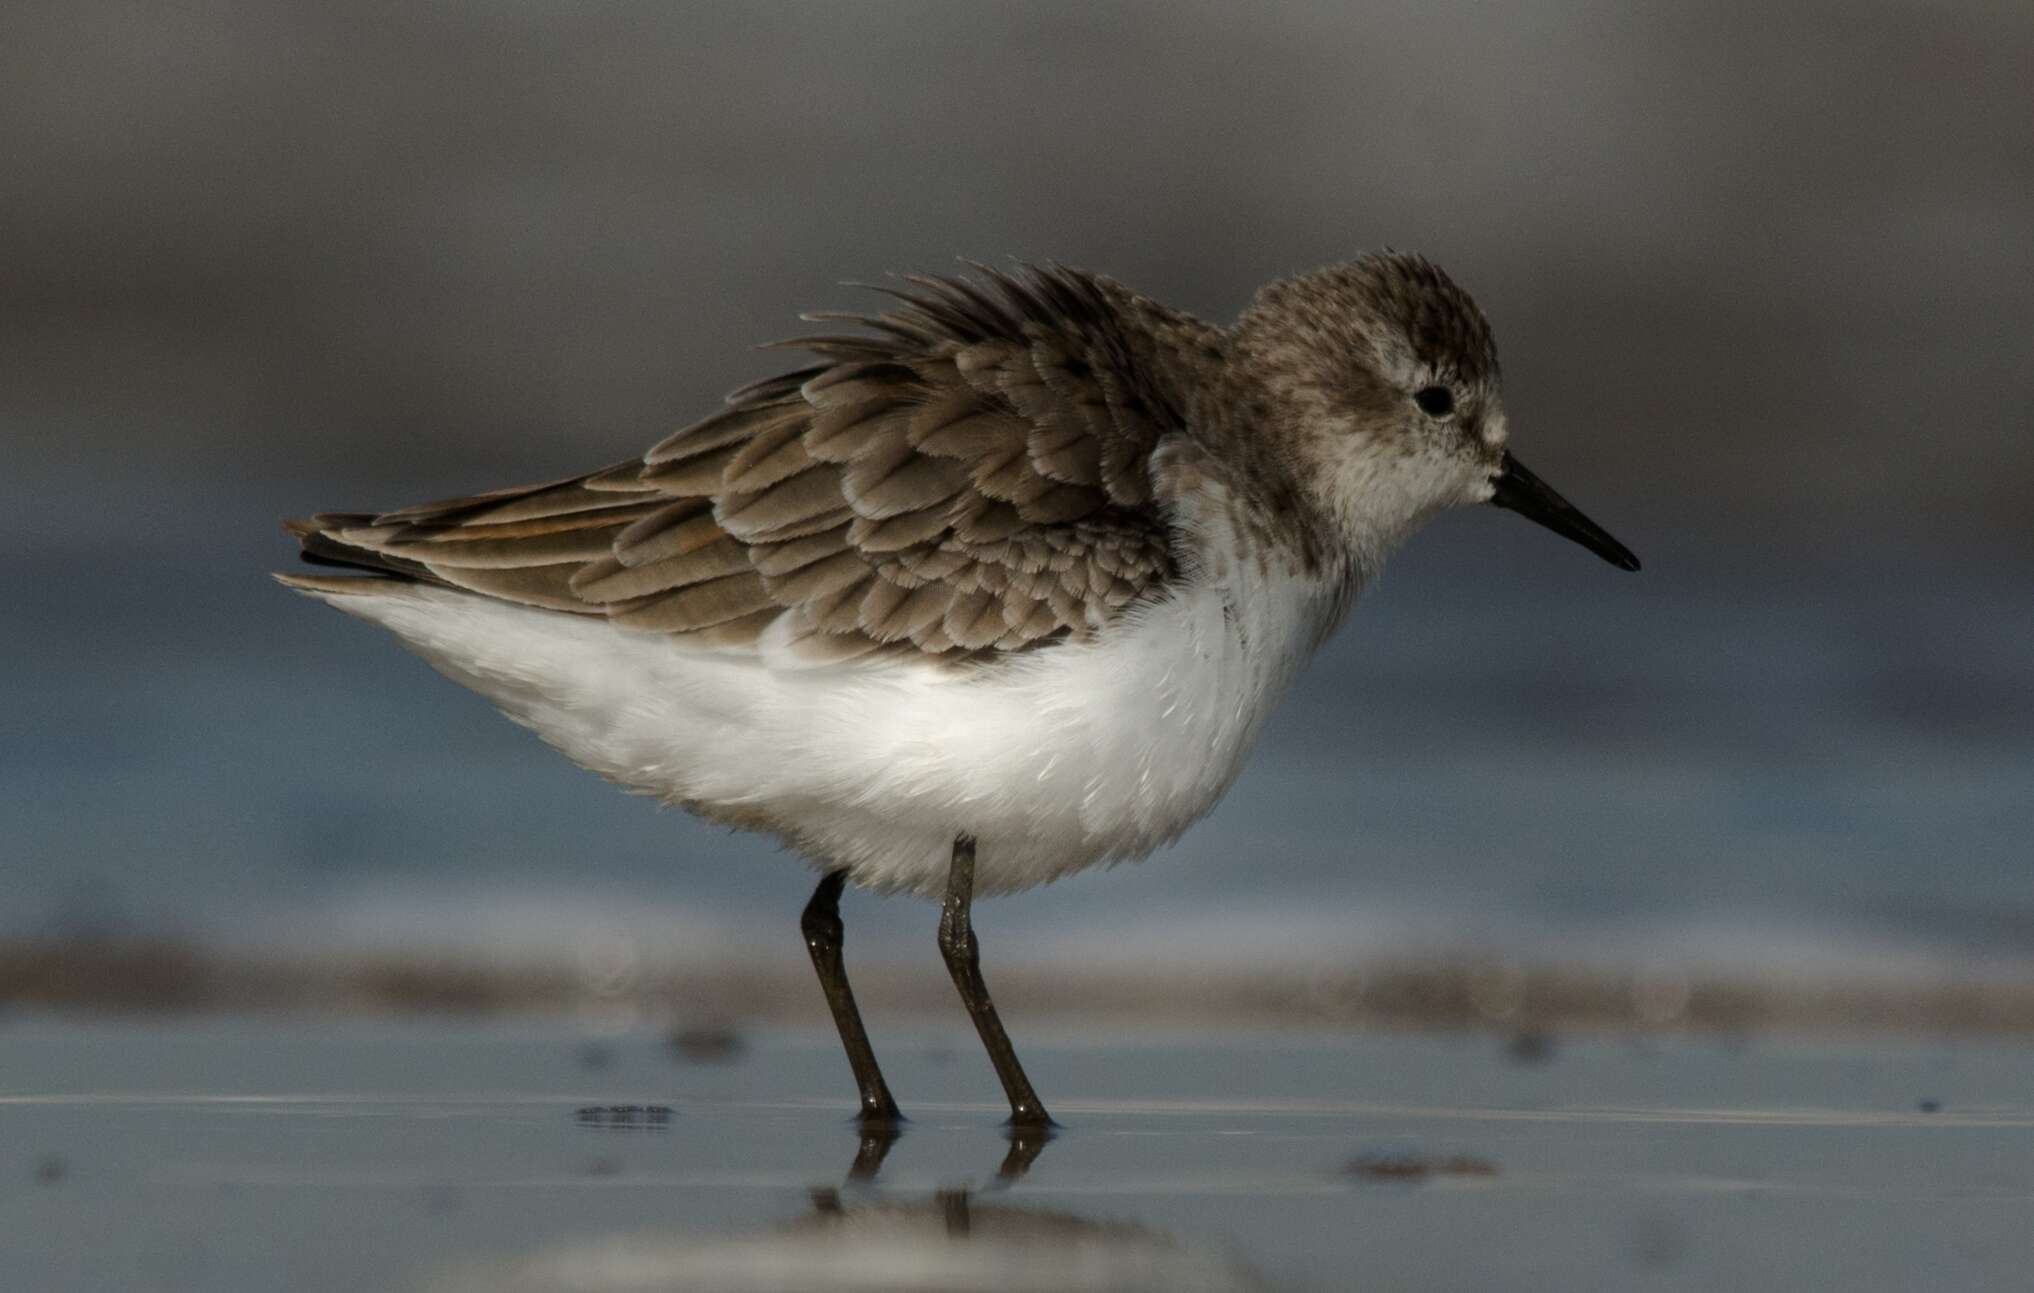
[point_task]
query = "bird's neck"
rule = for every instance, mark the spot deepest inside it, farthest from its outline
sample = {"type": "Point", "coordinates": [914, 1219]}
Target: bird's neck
{"type": "Point", "coordinates": [1326, 512]}
{"type": "Point", "coordinates": [1247, 534]}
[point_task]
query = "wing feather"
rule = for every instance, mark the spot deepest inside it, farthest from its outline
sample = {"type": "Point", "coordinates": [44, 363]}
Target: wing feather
{"type": "Point", "coordinates": [971, 474]}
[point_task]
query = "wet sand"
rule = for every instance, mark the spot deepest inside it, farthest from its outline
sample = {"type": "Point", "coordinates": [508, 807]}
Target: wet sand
{"type": "Point", "coordinates": [1488, 991]}
{"type": "Point", "coordinates": [291, 1152]}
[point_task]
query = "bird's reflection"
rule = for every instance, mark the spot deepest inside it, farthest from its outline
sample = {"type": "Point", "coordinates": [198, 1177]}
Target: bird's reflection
{"type": "Point", "coordinates": [877, 1141]}
{"type": "Point", "coordinates": [1026, 1144]}
{"type": "Point", "coordinates": [854, 1237]}
{"type": "Point", "coordinates": [953, 1242]}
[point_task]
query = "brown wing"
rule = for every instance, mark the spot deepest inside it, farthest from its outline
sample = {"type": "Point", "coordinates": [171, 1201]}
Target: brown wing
{"type": "Point", "coordinates": [973, 475]}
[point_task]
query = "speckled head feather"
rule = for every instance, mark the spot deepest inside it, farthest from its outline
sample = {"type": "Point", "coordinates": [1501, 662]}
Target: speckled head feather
{"type": "Point", "coordinates": [1320, 398]}
{"type": "Point", "coordinates": [1400, 306]}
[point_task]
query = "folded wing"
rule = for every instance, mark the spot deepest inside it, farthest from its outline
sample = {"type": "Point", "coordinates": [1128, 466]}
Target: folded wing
{"type": "Point", "coordinates": [971, 475]}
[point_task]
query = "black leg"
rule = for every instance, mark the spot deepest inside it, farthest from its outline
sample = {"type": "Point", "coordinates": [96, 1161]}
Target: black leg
{"type": "Point", "coordinates": [964, 961]}
{"type": "Point", "coordinates": [823, 935]}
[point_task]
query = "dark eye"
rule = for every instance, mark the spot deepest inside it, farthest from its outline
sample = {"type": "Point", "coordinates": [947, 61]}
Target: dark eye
{"type": "Point", "coordinates": [1435, 401]}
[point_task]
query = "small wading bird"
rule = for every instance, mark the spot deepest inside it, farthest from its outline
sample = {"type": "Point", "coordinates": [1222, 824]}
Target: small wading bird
{"type": "Point", "coordinates": [1001, 587]}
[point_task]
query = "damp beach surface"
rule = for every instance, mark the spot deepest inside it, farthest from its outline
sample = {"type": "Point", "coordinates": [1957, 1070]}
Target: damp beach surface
{"type": "Point", "coordinates": [296, 1152]}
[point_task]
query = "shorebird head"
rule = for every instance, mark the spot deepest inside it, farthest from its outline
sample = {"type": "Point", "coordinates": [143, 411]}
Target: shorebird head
{"type": "Point", "coordinates": [1377, 383]}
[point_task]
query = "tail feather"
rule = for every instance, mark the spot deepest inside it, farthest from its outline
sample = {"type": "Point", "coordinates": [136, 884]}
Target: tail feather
{"type": "Point", "coordinates": [329, 586]}
{"type": "Point", "coordinates": [321, 547]}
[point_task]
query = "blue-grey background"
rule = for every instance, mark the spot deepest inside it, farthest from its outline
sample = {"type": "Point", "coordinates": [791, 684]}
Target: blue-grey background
{"type": "Point", "coordinates": [1762, 280]}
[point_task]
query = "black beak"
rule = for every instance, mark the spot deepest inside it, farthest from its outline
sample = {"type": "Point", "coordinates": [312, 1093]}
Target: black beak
{"type": "Point", "coordinates": [1531, 497]}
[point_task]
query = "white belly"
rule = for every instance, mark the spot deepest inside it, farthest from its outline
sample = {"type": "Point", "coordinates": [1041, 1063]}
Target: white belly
{"type": "Point", "coordinates": [1064, 757]}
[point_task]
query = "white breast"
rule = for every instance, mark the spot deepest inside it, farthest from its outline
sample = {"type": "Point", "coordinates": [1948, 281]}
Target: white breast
{"type": "Point", "coordinates": [1063, 757]}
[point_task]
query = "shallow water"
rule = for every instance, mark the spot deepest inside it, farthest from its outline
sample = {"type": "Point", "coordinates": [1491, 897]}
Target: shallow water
{"type": "Point", "coordinates": [313, 1155]}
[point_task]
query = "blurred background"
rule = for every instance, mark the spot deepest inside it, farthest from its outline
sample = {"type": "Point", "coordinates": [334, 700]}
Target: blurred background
{"type": "Point", "coordinates": [1761, 277]}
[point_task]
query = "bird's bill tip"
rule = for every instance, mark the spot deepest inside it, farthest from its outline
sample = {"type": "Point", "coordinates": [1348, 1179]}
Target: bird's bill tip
{"type": "Point", "coordinates": [1529, 496]}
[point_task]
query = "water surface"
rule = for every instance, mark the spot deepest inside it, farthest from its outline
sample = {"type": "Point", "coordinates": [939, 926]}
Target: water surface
{"type": "Point", "coordinates": [252, 1155]}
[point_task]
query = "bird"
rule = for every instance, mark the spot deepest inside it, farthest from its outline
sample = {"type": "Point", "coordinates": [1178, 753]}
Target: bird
{"type": "Point", "coordinates": [1001, 582]}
